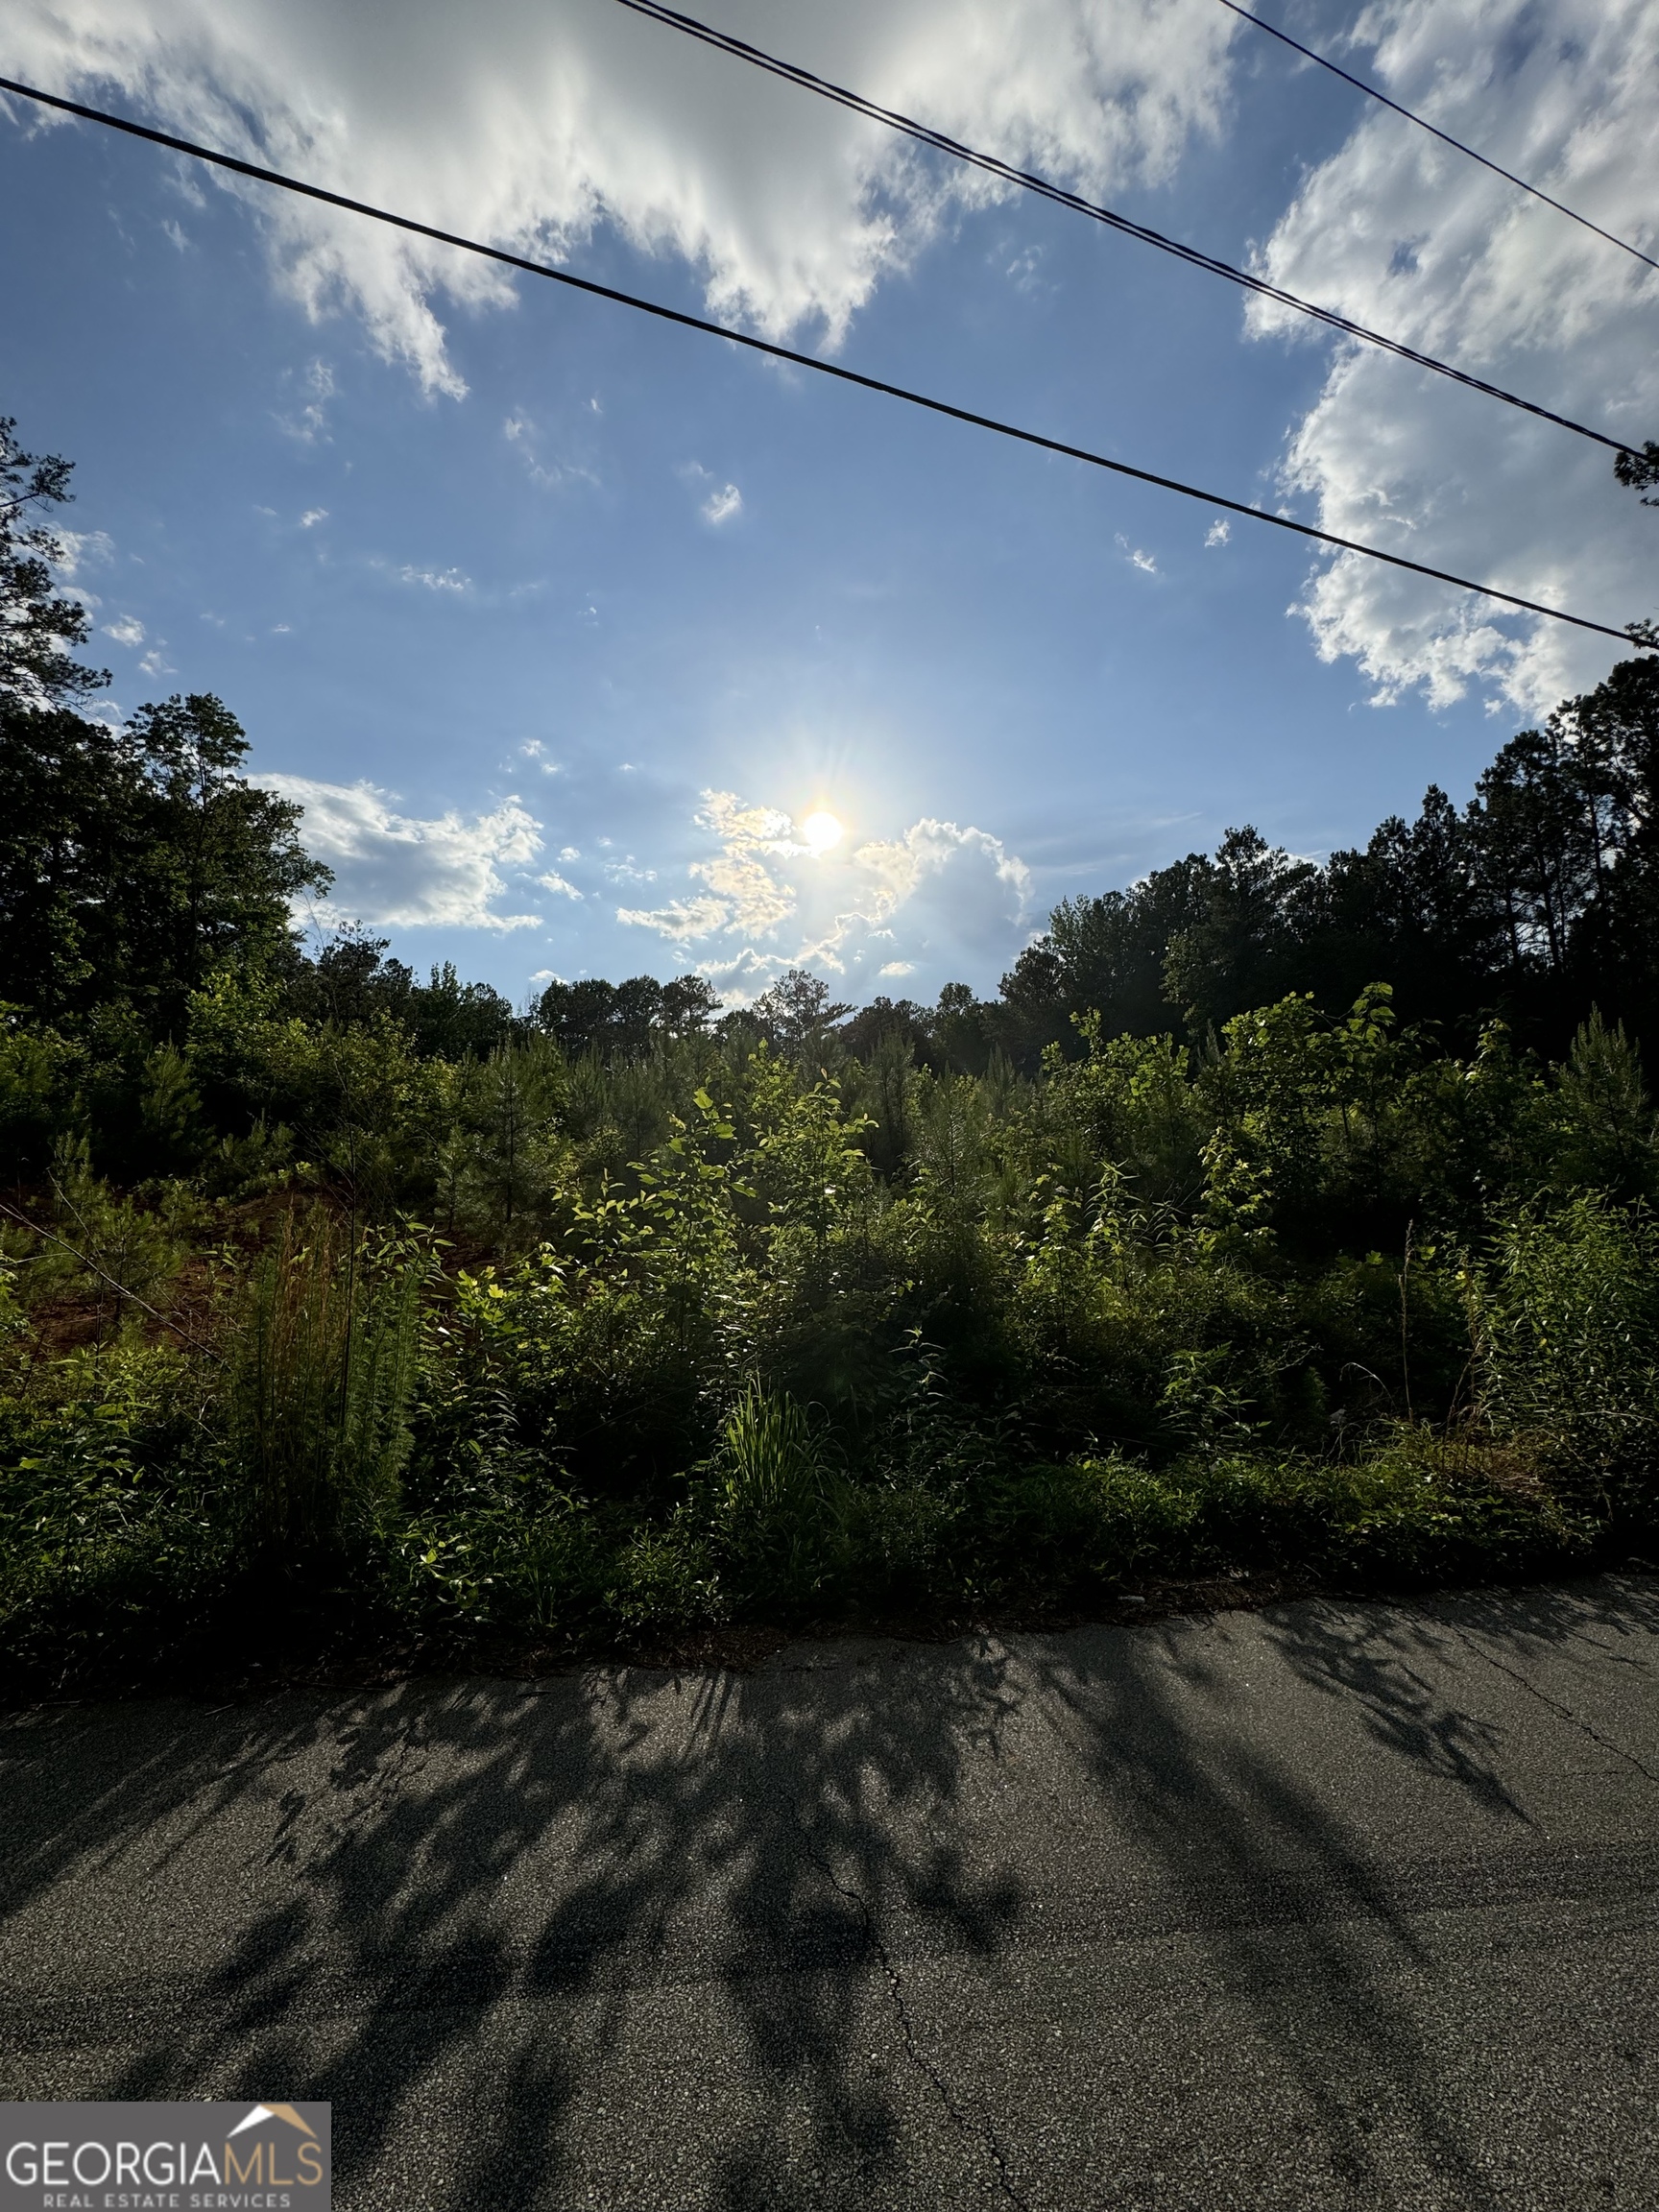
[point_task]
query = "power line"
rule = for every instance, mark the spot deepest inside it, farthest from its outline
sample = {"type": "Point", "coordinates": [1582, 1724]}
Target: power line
{"type": "Point", "coordinates": [1445, 136]}
{"type": "Point", "coordinates": [777, 352]}
{"type": "Point", "coordinates": [740, 49]}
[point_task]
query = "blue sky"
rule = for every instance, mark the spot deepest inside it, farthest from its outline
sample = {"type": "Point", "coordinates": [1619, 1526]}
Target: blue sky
{"type": "Point", "coordinates": [561, 623]}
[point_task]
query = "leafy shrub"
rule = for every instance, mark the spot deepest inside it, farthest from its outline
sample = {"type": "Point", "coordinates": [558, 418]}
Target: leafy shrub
{"type": "Point", "coordinates": [111, 1510]}
{"type": "Point", "coordinates": [1565, 1317]}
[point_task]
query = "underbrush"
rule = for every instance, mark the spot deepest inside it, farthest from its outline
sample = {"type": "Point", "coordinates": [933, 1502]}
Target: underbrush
{"type": "Point", "coordinates": [133, 1545]}
{"type": "Point", "coordinates": [752, 1381]}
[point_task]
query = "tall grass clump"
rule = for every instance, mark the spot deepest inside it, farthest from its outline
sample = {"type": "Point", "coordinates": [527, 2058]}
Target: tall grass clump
{"type": "Point", "coordinates": [776, 1494]}
{"type": "Point", "coordinates": [320, 1382]}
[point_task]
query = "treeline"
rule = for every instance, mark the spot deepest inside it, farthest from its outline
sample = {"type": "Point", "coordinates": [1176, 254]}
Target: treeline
{"type": "Point", "coordinates": [139, 868]}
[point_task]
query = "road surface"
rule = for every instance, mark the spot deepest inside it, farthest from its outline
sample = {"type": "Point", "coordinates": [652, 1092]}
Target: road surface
{"type": "Point", "coordinates": [1330, 1907]}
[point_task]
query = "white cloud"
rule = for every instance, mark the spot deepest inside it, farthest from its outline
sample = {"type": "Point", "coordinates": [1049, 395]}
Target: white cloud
{"type": "Point", "coordinates": [311, 421]}
{"type": "Point", "coordinates": [1219, 532]}
{"type": "Point", "coordinates": [953, 894]}
{"type": "Point", "coordinates": [312, 516]}
{"type": "Point", "coordinates": [128, 631]}
{"type": "Point", "coordinates": [720, 506]}
{"type": "Point", "coordinates": [435, 579]}
{"type": "Point", "coordinates": [682, 921]}
{"type": "Point", "coordinates": [79, 550]}
{"type": "Point", "coordinates": [522, 434]}
{"type": "Point", "coordinates": [555, 883]}
{"type": "Point", "coordinates": [743, 893]}
{"type": "Point", "coordinates": [409, 871]}
{"type": "Point", "coordinates": [528, 126]}
{"type": "Point", "coordinates": [1402, 233]}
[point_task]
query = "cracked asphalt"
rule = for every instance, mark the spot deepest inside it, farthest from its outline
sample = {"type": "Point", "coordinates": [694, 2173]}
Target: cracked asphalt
{"type": "Point", "coordinates": [1333, 1906]}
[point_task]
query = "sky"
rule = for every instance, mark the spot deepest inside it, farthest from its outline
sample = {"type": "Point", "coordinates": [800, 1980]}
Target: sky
{"type": "Point", "coordinates": [591, 646]}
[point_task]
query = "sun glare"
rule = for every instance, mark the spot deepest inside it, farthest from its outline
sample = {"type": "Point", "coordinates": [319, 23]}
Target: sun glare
{"type": "Point", "coordinates": [821, 830]}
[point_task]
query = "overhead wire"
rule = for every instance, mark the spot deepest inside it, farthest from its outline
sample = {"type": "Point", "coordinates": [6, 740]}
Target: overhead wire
{"type": "Point", "coordinates": [772, 351]}
{"type": "Point", "coordinates": [1433, 129]}
{"type": "Point", "coordinates": [942, 142]}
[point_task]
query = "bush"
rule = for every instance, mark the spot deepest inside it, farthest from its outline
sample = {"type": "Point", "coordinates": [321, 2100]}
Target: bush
{"type": "Point", "coordinates": [1566, 1323]}
{"type": "Point", "coordinates": [113, 1520]}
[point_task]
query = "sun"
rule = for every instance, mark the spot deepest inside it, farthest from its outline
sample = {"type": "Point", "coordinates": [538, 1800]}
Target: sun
{"type": "Point", "coordinates": [821, 830]}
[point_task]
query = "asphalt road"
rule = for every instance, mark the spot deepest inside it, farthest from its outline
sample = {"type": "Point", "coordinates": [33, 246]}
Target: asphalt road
{"type": "Point", "coordinates": [1330, 1907]}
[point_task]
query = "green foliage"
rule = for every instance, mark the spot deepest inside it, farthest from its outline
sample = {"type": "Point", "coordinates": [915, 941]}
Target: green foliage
{"type": "Point", "coordinates": [1566, 1324]}
{"type": "Point", "coordinates": [501, 1161]}
{"type": "Point", "coordinates": [775, 1501]}
{"type": "Point", "coordinates": [1606, 1123]}
{"type": "Point", "coordinates": [37, 622]}
{"type": "Point", "coordinates": [110, 1526]}
{"type": "Point", "coordinates": [1538, 899]}
{"type": "Point", "coordinates": [1112, 1325]}
{"type": "Point", "coordinates": [321, 1377]}
{"type": "Point", "coordinates": [1416, 1509]}
{"type": "Point", "coordinates": [354, 1108]}
{"type": "Point", "coordinates": [115, 1254]}
{"type": "Point", "coordinates": [135, 861]}
{"type": "Point", "coordinates": [40, 1076]}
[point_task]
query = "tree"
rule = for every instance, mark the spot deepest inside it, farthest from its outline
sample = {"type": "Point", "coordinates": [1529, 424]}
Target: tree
{"type": "Point", "coordinates": [222, 859]}
{"type": "Point", "coordinates": [961, 1032]}
{"type": "Point", "coordinates": [797, 1013]}
{"type": "Point", "coordinates": [456, 1020]}
{"type": "Point", "coordinates": [1240, 947]}
{"type": "Point", "coordinates": [136, 860]}
{"type": "Point", "coordinates": [1616, 938]}
{"type": "Point", "coordinates": [132, 860]}
{"type": "Point", "coordinates": [37, 623]}
{"type": "Point", "coordinates": [691, 1006]}
{"type": "Point", "coordinates": [623, 1020]}
{"type": "Point", "coordinates": [1411, 907]}
{"type": "Point", "coordinates": [1637, 470]}
{"type": "Point", "coordinates": [884, 1019]}
{"type": "Point", "coordinates": [1104, 955]}
{"type": "Point", "coordinates": [352, 980]}
{"type": "Point", "coordinates": [575, 1015]}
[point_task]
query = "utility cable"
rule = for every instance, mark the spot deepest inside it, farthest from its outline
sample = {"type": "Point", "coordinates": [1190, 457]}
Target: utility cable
{"type": "Point", "coordinates": [1045, 188]}
{"type": "Point", "coordinates": [777, 352]}
{"type": "Point", "coordinates": [1434, 131]}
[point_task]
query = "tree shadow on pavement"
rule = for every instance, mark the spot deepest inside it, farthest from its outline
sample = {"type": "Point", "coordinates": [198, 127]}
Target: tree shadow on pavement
{"type": "Point", "coordinates": [410, 1887]}
{"type": "Point", "coordinates": [1307, 1940]}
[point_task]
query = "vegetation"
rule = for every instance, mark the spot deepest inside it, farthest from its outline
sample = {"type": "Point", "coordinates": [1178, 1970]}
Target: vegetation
{"type": "Point", "coordinates": [1280, 1223]}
